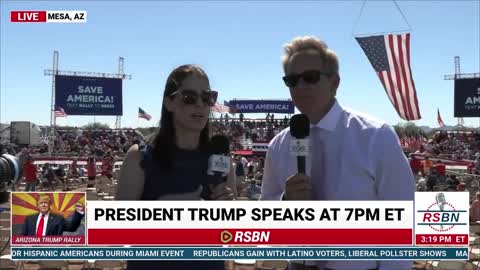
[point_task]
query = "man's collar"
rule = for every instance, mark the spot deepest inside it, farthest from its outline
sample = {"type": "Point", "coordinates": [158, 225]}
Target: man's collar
{"type": "Point", "coordinates": [329, 121]}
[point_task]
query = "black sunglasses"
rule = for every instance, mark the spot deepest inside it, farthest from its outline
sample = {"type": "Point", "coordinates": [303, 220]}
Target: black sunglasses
{"type": "Point", "coordinates": [190, 97]}
{"type": "Point", "coordinates": [309, 76]}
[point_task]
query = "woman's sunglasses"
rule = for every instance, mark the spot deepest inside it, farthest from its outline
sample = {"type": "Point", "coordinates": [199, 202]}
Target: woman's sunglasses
{"type": "Point", "coordinates": [309, 76]}
{"type": "Point", "coordinates": [190, 97]}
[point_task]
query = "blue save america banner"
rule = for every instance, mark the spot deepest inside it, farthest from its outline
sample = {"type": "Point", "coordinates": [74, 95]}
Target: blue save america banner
{"type": "Point", "coordinates": [262, 106]}
{"type": "Point", "coordinates": [467, 98]}
{"type": "Point", "coordinates": [88, 95]}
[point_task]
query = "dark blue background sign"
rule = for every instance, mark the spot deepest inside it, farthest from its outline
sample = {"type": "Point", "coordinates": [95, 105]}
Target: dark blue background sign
{"type": "Point", "coordinates": [467, 98]}
{"type": "Point", "coordinates": [262, 106]}
{"type": "Point", "coordinates": [88, 95]}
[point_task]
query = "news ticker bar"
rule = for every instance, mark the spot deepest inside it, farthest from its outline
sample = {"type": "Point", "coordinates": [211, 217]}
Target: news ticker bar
{"type": "Point", "coordinates": [231, 253]}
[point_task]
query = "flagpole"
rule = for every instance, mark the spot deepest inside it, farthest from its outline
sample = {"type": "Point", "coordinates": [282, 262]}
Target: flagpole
{"type": "Point", "coordinates": [54, 133]}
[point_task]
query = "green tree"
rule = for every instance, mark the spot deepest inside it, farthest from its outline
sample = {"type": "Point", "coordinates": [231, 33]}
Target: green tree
{"type": "Point", "coordinates": [408, 129]}
{"type": "Point", "coordinates": [96, 126]}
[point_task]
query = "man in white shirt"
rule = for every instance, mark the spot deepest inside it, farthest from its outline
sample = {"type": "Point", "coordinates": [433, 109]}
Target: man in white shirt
{"type": "Point", "coordinates": [244, 163]}
{"type": "Point", "coordinates": [354, 156]}
{"type": "Point", "coordinates": [46, 223]}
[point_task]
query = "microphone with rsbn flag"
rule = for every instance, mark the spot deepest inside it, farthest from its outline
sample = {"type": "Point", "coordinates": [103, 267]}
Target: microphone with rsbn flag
{"type": "Point", "coordinates": [218, 163]}
{"type": "Point", "coordinates": [299, 129]}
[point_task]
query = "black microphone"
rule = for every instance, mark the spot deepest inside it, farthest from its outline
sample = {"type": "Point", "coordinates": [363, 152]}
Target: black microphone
{"type": "Point", "coordinates": [10, 173]}
{"type": "Point", "coordinates": [299, 129]}
{"type": "Point", "coordinates": [218, 162]}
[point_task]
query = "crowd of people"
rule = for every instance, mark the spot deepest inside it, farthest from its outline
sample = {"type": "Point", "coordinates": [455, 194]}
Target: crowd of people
{"type": "Point", "coordinates": [455, 145]}
{"type": "Point", "coordinates": [240, 129]}
{"type": "Point", "coordinates": [446, 145]}
{"type": "Point", "coordinates": [434, 176]}
{"type": "Point", "coordinates": [99, 149]}
{"type": "Point", "coordinates": [108, 146]}
{"type": "Point", "coordinates": [48, 177]}
{"type": "Point", "coordinates": [84, 143]}
{"type": "Point", "coordinates": [97, 142]}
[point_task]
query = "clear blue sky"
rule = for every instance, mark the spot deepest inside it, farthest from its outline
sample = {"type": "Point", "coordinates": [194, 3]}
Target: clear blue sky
{"type": "Point", "coordinates": [238, 43]}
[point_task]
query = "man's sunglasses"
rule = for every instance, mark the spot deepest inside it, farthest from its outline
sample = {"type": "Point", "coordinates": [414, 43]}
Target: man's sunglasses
{"type": "Point", "coordinates": [190, 97]}
{"type": "Point", "coordinates": [309, 76]}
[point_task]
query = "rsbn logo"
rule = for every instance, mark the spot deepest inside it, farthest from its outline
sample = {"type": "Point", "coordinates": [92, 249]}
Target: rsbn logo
{"type": "Point", "coordinates": [441, 216]}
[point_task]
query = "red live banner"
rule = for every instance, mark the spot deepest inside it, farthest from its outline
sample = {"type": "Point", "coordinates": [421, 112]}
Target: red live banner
{"type": "Point", "coordinates": [250, 236]}
{"type": "Point", "coordinates": [28, 16]}
{"type": "Point", "coordinates": [441, 239]}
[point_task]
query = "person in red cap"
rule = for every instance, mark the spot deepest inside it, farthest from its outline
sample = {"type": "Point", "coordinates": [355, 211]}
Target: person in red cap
{"type": "Point", "coordinates": [107, 165]}
{"type": "Point", "coordinates": [74, 168]}
{"type": "Point", "coordinates": [470, 168]}
{"type": "Point", "coordinates": [415, 165]}
{"type": "Point", "coordinates": [30, 174]}
{"type": "Point", "coordinates": [461, 186]}
{"type": "Point", "coordinates": [441, 170]}
{"type": "Point", "coordinates": [91, 172]}
{"type": "Point", "coordinates": [475, 208]}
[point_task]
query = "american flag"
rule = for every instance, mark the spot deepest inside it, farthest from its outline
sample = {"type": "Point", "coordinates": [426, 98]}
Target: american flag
{"type": "Point", "coordinates": [60, 140]}
{"type": "Point", "coordinates": [390, 57]}
{"type": "Point", "coordinates": [219, 108]}
{"type": "Point", "coordinates": [143, 114]}
{"type": "Point", "coordinates": [59, 112]}
{"type": "Point", "coordinates": [439, 119]}
{"type": "Point", "coordinates": [232, 108]}
{"type": "Point", "coordinates": [412, 143]}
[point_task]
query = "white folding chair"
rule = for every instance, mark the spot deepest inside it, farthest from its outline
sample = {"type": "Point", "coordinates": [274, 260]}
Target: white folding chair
{"type": "Point", "coordinates": [7, 263]}
{"type": "Point", "coordinates": [83, 263]}
{"type": "Point", "coordinates": [272, 265]}
{"type": "Point", "coordinates": [449, 265]}
{"type": "Point", "coordinates": [53, 264]}
{"type": "Point", "coordinates": [244, 263]}
{"type": "Point", "coordinates": [475, 228]}
{"type": "Point", "coordinates": [24, 264]}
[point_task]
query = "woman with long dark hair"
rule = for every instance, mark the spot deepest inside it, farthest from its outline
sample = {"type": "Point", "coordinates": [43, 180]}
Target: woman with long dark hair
{"type": "Point", "coordinates": [174, 164]}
